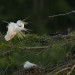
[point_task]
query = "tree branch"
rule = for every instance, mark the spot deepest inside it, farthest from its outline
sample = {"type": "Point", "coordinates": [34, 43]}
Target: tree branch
{"type": "Point", "coordinates": [30, 48]}
{"type": "Point", "coordinates": [62, 70]}
{"type": "Point", "coordinates": [26, 48]}
{"type": "Point", "coordinates": [62, 14]}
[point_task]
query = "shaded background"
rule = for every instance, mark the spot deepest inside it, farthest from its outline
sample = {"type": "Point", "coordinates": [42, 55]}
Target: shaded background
{"type": "Point", "coordinates": [38, 12]}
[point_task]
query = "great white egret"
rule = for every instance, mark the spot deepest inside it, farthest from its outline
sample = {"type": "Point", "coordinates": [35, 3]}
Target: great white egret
{"type": "Point", "coordinates": [14, 29]}
{"type": "Point", "coordinates": [28, 65]}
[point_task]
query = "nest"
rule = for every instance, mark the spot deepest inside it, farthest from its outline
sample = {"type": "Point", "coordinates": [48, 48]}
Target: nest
{"type": "Point", "coordinates": [31, 71]}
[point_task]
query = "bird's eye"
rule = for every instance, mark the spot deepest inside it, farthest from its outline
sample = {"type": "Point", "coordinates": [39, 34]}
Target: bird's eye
{"type": "Point", "coordinates": [19, 26]}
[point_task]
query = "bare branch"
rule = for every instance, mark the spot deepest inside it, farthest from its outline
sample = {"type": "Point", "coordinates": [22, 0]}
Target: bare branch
{"type": "Point", "coordinates": [71, 70]}
{"type": "Point", "coordinates": [26, 48]}
{"type": "Point", "coordinates": [63, 70]}
{"type": "Point", "coordinates": [30, 48]}
{"type": "Point", "coordinates": [62, 14]}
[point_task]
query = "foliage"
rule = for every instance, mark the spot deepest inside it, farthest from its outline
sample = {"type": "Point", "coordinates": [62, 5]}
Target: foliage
{"type": "Point", "coordinates": [13, 61]}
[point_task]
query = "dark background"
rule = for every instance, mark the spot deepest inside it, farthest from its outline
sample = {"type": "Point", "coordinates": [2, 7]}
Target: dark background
{"type": "Point", "coordinates": [38, 12]}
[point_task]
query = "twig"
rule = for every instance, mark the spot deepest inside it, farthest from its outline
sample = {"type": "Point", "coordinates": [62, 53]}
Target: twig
{"type": "Point", "coordinates": [30, 48]}
{"type": "Point", "coordinates": [26, 48]}
{"type": "Point", "coordinates": [62, 67]}
{"type": "Point", "coordinates": [71, 70]}
{"type": "Point", "coordinates": [63, 70]}
{"type": "Point", "coordinates": [62, 14]}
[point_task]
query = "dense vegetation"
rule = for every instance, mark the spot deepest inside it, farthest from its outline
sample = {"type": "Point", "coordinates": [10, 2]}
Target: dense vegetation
{"type": "Point", "coordinates": [59, 53]}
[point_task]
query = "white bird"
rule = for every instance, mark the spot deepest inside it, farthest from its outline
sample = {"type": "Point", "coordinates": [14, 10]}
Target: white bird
{"type": "Point", "coordinates": [14, 29]}
{"type": "Point", "coordinates": [28, 65]}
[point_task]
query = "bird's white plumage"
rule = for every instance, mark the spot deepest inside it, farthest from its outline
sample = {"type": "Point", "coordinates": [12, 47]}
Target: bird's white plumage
{"type": "Point", "coordinates": [28, 65]}
{"type": "Point", "coordinates": [20, 25]}
{"type": "Point", "coordinates": [13, 29]}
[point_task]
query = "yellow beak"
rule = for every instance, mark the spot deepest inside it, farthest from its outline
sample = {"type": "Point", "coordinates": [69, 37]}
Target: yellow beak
{"type": "Point", "coordinates": [25, 23]}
